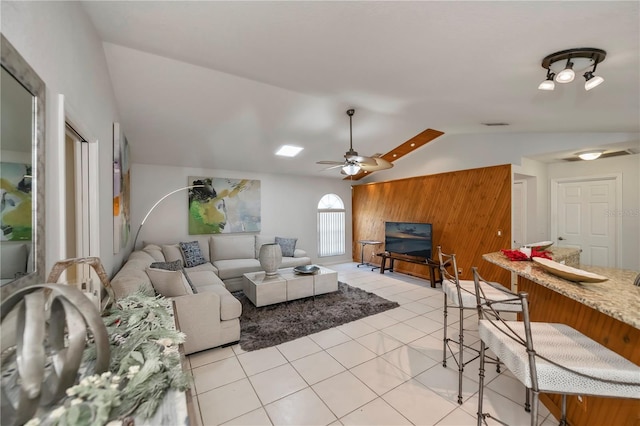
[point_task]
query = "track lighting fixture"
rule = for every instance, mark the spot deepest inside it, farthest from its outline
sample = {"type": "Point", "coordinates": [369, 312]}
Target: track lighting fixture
{"type": "Point", "coordinates": [581, 59]}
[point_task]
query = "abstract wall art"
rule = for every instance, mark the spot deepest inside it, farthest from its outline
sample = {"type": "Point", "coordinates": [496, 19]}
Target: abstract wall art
{"type": "Point", "coordinates": [121, 189]}
{"type": "Point", "coordinates": [16, 204]}
{"type": "Point", "coordinates": [223, 205]}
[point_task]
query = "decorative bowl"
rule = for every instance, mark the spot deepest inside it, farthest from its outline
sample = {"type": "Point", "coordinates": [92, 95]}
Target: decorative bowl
{"type": "Point", "coordinates": [568, 272]}
{"type": "Point", "coordinates": [541, 245]}
{"type": "Point", "coordinates": [306, 269]}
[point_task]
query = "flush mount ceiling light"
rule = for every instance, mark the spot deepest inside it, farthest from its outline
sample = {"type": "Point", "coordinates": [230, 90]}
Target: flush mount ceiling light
{"type": "Point", "coordinates": [561, 67]}
{"type": "Point", "coordinates": [589, 155]}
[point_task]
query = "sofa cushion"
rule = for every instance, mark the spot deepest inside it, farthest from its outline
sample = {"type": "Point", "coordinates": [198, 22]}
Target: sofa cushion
{"type": "Point", "coordinates": [204, 267]}
{"type": "Point", "coordinates": [172, 253]}
{"type": "Point", "coordinates": [132, 277]}
{"type": "Point", "coordinates": [288, 245]}
{"type": "Point", "coordinates": [174, 266]}
{"type": "Point", "coordinates": [155, 252]}
{"type": "Point", "coordinates": [204, 278]}
{"type": "Point", "coordinates": [236, 247]}
{"type": "Point", "coordinates": [291, 262]}
{"type": "Point", "coordinates": [169, 283]}
{"type": "Point", "coordinates": [236, 267]}
{"type": "Point", "coordinates": [230, 307]}
{"type": "Point", "coordinates": [191, 254]}
{"type": "Point", "coordinates": [262, 240]}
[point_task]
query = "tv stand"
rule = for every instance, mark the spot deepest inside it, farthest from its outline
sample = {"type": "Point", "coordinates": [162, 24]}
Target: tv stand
{"type": "Point", "coordinates": [434, 266]}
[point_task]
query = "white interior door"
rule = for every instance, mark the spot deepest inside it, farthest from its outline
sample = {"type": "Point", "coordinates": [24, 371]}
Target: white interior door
{"type": "Point", "coordinates": [584, 219]}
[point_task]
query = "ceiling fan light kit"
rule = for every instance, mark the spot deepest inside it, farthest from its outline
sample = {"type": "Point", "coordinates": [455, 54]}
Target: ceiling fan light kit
{"type": "Point", "coordinates": [354, 163]}
{"type": "Point", "coordinates": [582, 58]}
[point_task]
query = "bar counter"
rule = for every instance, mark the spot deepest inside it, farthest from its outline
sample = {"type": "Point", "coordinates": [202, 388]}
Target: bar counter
{"type": "Point", "coordinates": [616, 297]}
{"type": "Point", "coordinates": [608, 312]}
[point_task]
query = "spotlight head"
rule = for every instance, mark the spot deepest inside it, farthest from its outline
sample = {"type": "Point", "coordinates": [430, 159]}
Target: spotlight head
{"type": "Point", "coordinates": [591, 80]}
{"type": "Point", "coordinates": [548, 84]}
{"type": "Point", "coordinates": [567, 74]}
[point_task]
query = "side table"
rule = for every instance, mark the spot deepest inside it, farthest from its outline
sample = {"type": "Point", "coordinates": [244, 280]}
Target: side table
{"type": "Point", "coordinates": [364, 243]}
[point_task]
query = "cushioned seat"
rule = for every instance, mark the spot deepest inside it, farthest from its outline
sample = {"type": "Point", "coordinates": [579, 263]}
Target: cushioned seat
{"type": "Point", "coordinates": [236, 267]}
{"type": "Point", "coordinates": [230, 307]}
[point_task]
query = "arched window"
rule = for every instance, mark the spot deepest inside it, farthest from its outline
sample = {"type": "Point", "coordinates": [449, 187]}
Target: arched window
{"type": "Point", "coordinates": [331, 219]}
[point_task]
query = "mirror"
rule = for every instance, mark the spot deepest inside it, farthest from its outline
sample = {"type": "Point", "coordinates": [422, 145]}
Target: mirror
{"type": "Point", "coordinates": [22, 250]}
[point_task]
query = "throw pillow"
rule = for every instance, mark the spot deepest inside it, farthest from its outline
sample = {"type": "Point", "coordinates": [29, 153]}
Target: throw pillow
{"type": "Point", "coordinates": [192, 254]}
{"type": "Point", "coordinates": [172, 253]}
{"type": "Point", "coordinates": [288, 245]}
{"type": "Point", "coordinates": [154, 251]}
{"type": "Point", "coordinates": [169, 283]}
{"type": "Point", "coordinates": [174, 266]}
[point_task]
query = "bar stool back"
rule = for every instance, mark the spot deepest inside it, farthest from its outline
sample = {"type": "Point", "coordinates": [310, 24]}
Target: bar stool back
{"type": "Point", "coordinates": [548, 357]}
{"type": "Point", "coordinates": [458, 295]}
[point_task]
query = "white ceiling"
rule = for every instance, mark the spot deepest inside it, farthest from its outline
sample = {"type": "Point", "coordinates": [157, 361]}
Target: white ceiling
{"type": "Point", "coordinates": [223, 85]}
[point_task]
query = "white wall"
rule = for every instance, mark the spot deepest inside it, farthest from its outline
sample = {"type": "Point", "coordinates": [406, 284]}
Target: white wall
{"type": "Point", "coordinates": [61, 45]}
{"type": "Point", "coordinates": [629, 167]}
{"type": "Point", "coordinates": [535, 174]}
{"type": "Point", "coordinates": [288, 205]}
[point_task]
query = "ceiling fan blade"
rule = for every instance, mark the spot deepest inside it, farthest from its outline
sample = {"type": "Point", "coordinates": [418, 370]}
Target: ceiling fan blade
{"type": "Point", "coordinates": [381, 164]}
{"type": "Point", "coordinates": [332, 167]}
{"type": "Point", "coordinates": [330, 162]}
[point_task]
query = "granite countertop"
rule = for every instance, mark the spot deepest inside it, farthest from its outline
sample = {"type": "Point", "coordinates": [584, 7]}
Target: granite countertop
{"type": "Point", "coordinates": [616, 297]}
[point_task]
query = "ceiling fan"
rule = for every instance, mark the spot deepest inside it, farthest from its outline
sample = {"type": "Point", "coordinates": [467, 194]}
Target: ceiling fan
{"type": "Point", "coordinates": [353, 162]}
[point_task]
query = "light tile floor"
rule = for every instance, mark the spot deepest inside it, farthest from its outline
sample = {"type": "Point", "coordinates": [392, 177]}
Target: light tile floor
{"type": "Point", "coordinates": [385, 369]}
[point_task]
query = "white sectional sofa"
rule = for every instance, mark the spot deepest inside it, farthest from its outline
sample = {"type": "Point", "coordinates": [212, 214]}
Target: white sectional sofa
{"type": "Point", "coordinates": [210, 317]}
{"type": "Point", "coordinates": [234, 255]}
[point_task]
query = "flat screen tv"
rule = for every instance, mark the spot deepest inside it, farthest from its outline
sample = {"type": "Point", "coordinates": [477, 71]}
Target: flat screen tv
{"type": "Point", "coordinates": [408, 238]}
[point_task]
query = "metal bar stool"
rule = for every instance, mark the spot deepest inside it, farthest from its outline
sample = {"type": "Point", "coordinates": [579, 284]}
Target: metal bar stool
{"type": "Point", "coordinates": [459, 295]}
{"type": "Point", "coordinates": [562, 361]}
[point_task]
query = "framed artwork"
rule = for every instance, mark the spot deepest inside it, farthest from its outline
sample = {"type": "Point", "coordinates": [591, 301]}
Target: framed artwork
{"type": "Point", "coordinates": [121, 190]}
{"type": "Point", "coordinates": [16, 204]}
{"type": "Point", "coordinates": [224, 205]}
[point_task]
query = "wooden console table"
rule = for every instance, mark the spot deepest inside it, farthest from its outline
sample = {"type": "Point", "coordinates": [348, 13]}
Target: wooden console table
{"type": "Point", "coordinates": [434, 265]}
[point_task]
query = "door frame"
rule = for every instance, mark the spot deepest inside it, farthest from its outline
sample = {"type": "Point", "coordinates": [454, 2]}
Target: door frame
{"type": "Point", "coordinates": [555, 183]}
{"type": "Point", "coordinates": [524, 210]}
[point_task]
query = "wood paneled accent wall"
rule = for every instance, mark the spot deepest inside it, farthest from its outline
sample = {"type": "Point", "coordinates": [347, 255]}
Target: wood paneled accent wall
{"type": "Point", "coordinates": [467, 209]}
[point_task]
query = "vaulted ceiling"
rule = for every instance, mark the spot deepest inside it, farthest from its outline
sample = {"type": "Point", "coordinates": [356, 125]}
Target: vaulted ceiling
{"type": "Point", "coordinates": [224, 84]}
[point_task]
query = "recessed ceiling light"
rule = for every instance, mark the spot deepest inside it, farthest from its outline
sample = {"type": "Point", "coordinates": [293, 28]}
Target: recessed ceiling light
{"type": "Point", "coordinates": [413, 144]}
{"type": "Point", "coordinates": [395, 155]}
{"type": "Point", "coordinates": [289, 151]}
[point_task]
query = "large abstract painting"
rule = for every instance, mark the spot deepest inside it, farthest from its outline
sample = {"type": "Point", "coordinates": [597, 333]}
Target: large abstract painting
{"type": "Point", "coordinates": [121, 189]}
{"type": "Point", "coordinates": [224, 205]}
{"type": "Point", "coordinates": [16, 205]}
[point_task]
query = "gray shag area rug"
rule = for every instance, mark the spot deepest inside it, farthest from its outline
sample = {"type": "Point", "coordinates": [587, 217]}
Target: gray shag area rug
{"type": "Point", "coordinates": [274, 324]}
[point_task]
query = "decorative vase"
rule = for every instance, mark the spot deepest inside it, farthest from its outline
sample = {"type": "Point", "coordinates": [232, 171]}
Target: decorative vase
{"type": "Point", "coordinates": [270, 258]}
